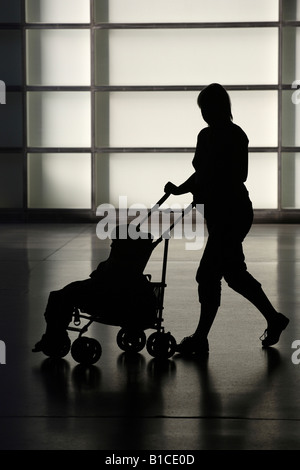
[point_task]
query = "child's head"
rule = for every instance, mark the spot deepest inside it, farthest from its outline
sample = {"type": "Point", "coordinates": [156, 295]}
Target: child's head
{"type": "Point", "coordinates": [215, 104]}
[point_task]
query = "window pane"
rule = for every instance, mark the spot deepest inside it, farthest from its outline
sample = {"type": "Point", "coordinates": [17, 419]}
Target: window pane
{"type": "Point", "coordinates": [291, 10]}
{"type": "Point", "coordinates": [189, 56]}
{"type": "Point", "coordinates": [149, 119]}
{"type": "Point", "coordinates": [290, 180]}
{"type": "Point", "coordinates": [291, 54]}
{"type": "Point", "coordinates": [59, 119]}
{"type": "Point", "coordinates": [262, 180]}
{"type": "Point", "coordinates": [11, 180]}
{"type": "Point", "coordinates": [141, 177]}
{"type": "Point", "coordinates": [58, 57]}
{"type": "Point", "coordinates": [188, 10]}
{"type": "Point", "coordinates": [290, 117]}
{"type": "Point", "coordinates": [11, 125]}
{"type": "Point", "coordinates": [150, 172]}
{"type": "Point", "coordinates": [10, 11]}
{"type": "Point", "coordinates": [58, 11]}
{"type": "Point", "coordinates": [11, 57]}
{"type": "Point", "coordinates": [59, 181]}
{"type": "Point", "coordinates": [173, 119]}
{"type": "Point", "coordinates": [257, 113]}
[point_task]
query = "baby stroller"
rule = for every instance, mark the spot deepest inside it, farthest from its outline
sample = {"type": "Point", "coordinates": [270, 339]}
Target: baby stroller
{"type": "Point", "coordinates": [134, 303]}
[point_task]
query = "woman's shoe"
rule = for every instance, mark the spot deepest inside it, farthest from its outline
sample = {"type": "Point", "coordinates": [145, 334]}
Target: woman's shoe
{"type": "Point", "coordinates": [275, 327]}
{"type": "Point", "coordinates": [192, 345]}
{"type": "Point", "coordinates": [40, 345]}
{"type": "Point", "coordinates": [56, 347]}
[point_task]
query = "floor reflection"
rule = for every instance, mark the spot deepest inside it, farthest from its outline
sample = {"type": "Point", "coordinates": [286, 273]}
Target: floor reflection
{"type": "Point", "coordinates": [240, 397]}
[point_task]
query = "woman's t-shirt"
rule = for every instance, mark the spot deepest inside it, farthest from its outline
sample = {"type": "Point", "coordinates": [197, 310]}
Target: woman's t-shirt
{"type": "Point", "coordinates": [221, 165]}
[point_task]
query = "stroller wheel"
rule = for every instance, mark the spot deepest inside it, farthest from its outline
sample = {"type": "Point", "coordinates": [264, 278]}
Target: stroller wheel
{"type": "Point", "coordinates": [86, 351]}
{"type": "Point", "coordinates": [131, 340]}
{"type": "Point", "coordinates": [161, 345]}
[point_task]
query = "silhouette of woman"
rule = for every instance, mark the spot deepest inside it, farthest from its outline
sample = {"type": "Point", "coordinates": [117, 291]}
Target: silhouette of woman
{"type": "Point", "coordinates": [221, 168]}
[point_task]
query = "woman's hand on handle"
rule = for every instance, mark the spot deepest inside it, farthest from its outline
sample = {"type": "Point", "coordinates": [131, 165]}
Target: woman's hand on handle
{"type": "Point", "coordinates": [171, 188]}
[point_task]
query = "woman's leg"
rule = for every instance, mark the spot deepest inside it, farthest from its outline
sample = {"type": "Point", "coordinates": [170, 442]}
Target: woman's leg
{"type": "Point", "coordinates": [240, 280]}
{"type": "Point", "coordinates": [208, 277]}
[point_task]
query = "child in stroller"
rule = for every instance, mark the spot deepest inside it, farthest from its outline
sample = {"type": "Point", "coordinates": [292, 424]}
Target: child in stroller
{"type": "Point", "coordinates": [117, 292]}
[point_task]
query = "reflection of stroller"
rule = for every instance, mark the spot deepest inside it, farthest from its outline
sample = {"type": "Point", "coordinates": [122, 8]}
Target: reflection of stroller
{"type": "Point", "coordinates": [131, 301]}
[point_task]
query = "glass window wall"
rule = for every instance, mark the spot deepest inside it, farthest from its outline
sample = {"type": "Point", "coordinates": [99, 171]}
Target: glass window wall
{"type": "Point", "coordinates": [109, 89]}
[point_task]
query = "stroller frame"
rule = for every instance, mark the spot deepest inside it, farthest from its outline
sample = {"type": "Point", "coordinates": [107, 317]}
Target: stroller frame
{"type": "Point", "coordinates": [160, 344]}
{"type": "Point", "coordinates": [129, 339]}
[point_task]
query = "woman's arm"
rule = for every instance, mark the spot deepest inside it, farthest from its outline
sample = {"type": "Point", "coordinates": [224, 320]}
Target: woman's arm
{"type": "Point", "coordinates": [186, 187]}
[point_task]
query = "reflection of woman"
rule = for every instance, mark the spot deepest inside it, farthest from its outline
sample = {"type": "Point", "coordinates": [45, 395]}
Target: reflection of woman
{"type": "Point", "coordinates": [221, 168]}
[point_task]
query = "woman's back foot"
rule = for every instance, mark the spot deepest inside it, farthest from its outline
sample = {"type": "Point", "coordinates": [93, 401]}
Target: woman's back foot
{"type": "Point", "coordinates": [275, 327]}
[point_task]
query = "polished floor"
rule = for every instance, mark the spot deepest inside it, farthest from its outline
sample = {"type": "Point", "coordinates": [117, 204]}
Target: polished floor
{"type": "Point", "coordinates": [241, 398]}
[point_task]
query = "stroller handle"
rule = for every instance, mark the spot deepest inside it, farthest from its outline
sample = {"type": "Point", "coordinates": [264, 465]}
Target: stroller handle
{"type": "Point", "coordinates": [162, 199]}
{"type": "Point", "coordinates": [159, 203]}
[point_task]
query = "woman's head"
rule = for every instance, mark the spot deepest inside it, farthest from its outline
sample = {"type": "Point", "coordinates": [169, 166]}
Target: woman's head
{"type": "Point", "coordinates": [215, 104]}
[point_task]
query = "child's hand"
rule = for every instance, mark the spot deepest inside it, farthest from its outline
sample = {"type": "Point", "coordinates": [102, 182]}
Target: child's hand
{"type": "Point", "coordinates": [171, 188]}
